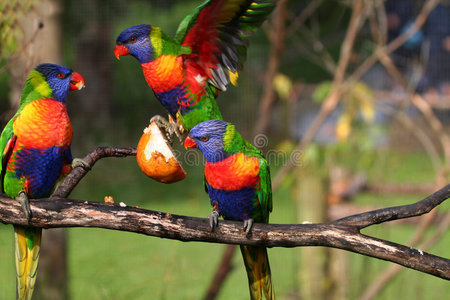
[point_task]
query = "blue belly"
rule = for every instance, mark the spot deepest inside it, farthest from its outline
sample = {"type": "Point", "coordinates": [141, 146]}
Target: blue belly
{"type": "Point", "coordinates": [171, 99]}
{"type": "Point", "coordinates": [237, 205]}
{"type": "Point", "coordinates": [41, 168]}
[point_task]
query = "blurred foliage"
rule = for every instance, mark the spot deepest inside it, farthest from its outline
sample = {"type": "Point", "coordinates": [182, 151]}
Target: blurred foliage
{"type": "Point", "coordinates": [283, 86]}
{"type": "Point", "coordinates": [357, 152]}
{"type": "Point", "coordinates": [358, 101]}
{"type": "Point", "coordinates": [11, 32]}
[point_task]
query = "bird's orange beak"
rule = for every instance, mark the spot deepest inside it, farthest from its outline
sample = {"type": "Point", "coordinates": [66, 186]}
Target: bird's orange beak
{"type": "Point", "coordinates": [120, 50]}
{"type": "Point", "coordinates": [76, 82]}
{"type": "Point", "coordinates": [189, 143]}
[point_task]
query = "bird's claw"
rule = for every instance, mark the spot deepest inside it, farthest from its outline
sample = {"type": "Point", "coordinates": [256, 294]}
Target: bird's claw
{"type": "Point", "coordinates": [169, 128]}
{"type": "Point", "coordinates": [22, 198]}
{"type": "Point", "coordinates": [79, 162]}
{"type": "Point", "coordinates": [248, 224]}
{"type": "Point", "coordinates": [213, 219]}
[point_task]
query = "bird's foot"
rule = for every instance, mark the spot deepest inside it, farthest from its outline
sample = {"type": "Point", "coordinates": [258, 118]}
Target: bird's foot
{"type": "Point", "coordinates": [248, 224]}
{"type": "Point", "coordinates": [213, 219]}
{"type": "Point", "coordinates": [79, 162]}
{"type": "Point", "coordinates": [22, 198]}
{"type": "Point", "coordinates": [169, 128]}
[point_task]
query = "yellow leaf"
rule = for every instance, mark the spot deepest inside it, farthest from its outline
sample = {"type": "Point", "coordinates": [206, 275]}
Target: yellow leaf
{"type": "Point", "coordinates": [283, 85]}
{"type": "Point", "coordinates": [343, 127]}
{"type": "Point", "coordinates": [363, 98]}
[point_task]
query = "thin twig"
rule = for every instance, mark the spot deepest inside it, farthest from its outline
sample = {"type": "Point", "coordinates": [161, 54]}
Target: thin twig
{"type": "Point", "coordinates": [394, 44]}
{"type": "Point", "coordinates": [73, 178]}
{"type": "Point", "coordinates": [298, 22]}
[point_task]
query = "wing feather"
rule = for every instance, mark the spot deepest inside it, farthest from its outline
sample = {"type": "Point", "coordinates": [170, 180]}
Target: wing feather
{"type": "Point", "coordinates": [217, 32]}
{"type": "Point", "coordinates": [7, 142]}
{"type": "Point", "coordinates": [265, 189]}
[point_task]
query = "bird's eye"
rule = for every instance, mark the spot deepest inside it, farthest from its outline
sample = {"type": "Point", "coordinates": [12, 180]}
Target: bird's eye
{"type": "Point", "coordinates": [204, 138]}
{"type": "Point", "coordinates": [132, 39]}
{"type": "Point", "coordinates": [60, 75]}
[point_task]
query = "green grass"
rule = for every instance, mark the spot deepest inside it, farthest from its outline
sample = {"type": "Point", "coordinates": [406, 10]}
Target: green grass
{"type": "Point", "coordinates": [106, 264]}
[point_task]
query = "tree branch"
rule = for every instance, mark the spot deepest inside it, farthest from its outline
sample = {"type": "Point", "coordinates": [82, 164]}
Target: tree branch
{"type": "Point", "coordinates": [397, 212]}
{"type": "Point", "coordinates": [342, 234]}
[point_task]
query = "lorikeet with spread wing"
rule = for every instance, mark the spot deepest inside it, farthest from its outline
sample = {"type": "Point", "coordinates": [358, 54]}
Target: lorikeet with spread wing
{"type": "Point", "coordinates": [35, 146]}
{"type": "Point", "coordinates": [237, 180]}
{"type": "Point", "coordinates": [187, 72]}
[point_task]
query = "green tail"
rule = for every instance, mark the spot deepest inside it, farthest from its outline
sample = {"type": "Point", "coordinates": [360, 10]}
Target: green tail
{"type": "Point", "coordinates": [28, 244]}
{"type": "Point", "coordinates": [258, 272]}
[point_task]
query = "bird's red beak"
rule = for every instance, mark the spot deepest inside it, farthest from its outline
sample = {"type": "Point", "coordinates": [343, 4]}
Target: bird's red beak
{"type": "Point", "coordinates": [120, 50]}
{"type": "Point", "coordinates": [189, 143]}
{"type": "Point", "coordinates": [76, 82]}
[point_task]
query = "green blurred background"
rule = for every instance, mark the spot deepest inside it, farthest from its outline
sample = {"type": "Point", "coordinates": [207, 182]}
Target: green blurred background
{"type": "Point", "coordinates": [361, 143]}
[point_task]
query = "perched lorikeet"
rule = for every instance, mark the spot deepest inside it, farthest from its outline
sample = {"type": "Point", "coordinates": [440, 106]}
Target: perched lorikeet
{"type": "Point", "coordinates": [187, 72]}
{"type": "Point", "coordinates": [237, 180]}
{"type": "Point", "coordinates": [35, 146]}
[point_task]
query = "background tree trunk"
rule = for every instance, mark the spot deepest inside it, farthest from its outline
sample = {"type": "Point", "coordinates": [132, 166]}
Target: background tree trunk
{"type": "Point", "coordinates": [312, 207]}
{"type": "Point", "coordinates": [93, 47]}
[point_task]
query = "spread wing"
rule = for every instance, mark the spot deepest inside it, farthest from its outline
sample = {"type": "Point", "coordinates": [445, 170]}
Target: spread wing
{"type": "Point", "coordinates": [217, 33]}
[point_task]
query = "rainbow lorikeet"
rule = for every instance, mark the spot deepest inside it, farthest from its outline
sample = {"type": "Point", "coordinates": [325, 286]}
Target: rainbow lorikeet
{"type": "Point", "coordinates": [35, 146]}
{"type": "Point", "coordinates": [237, 179]}
{"type": "Point", "coordinates": [187, 72]}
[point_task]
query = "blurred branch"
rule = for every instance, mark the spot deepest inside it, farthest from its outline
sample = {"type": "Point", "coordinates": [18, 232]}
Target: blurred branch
{"type": "Point", "coordinates": [422, 136]}
{"type": "Point", "coordinates": [336, 91]}
{"type": "Point", "coordinates": [224, 268]}
{"type": "Point", "coordinates": [340, 86]}
{"type": "Point", "coordinates": [343, 234]}
{"type": "Point", "coordinates": [394, 44]}
{"type": "Point", "coordinates": [434, 123]}
{"type": "Point", "coordinates": [425, 108]}
{"type": "Point", "coordinates": [277, 44]}
{"type": "Point", "coordinates": [298, 22]}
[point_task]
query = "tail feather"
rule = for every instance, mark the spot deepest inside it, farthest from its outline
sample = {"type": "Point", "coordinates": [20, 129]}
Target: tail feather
{"type": "Point", "coordinates": [28, 244]}
{"type": "Point", "coordinates": [258, 272]}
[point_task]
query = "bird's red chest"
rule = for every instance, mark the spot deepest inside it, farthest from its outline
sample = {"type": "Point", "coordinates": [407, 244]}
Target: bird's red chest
{"type": "Point", "coordinates": [233, 173]}
{"type": "Point", "coordinates": [43, 124]}
{"type": "Point", "coordinates": [164, 73]}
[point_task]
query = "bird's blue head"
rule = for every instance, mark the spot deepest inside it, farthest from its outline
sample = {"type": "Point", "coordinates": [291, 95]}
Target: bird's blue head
{"type": "Point", "coordinates": [209, 137]}
{"type": "Point", "coordinates": [60, 80]}
{"type": "Point", "coordinates": [135, 41]}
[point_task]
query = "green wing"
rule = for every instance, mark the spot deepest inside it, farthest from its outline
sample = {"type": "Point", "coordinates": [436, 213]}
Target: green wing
{"type": "Point", "coordinates": [265, 189]}
{"type": "Point", "coordinates": [6, 144]}
{"type": "Point", "coordinates": [7, 141]}
{"type": "Point", "coordinates": [264, 192]}
{"type": "Point", "coordinates": [188, 22]}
